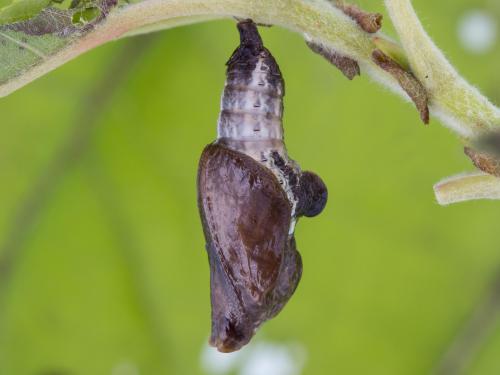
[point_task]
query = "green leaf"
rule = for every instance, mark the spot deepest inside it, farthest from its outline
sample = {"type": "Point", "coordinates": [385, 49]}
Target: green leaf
{"type": "Point", "coordinates": [17, 10]}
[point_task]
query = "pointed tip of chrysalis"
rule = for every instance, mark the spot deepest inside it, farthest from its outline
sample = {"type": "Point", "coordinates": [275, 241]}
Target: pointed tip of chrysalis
{"type": "Point", "coordinates": [250, 52]}
{"type": "Point", "coordinates": [249, 34]}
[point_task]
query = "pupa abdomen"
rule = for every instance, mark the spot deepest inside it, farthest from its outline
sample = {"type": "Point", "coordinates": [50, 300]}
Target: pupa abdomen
{"type": "Point", "coordinates": [251, 114]}
{"type": "Point", "coordinates": [250, 194]}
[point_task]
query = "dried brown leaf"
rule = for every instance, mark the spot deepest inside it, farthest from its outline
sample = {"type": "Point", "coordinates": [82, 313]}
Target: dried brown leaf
{"type": "Point", "coordinates": [369, 22]}
{"type": "Point", "coordinates": [346, 65]}
{"type": "Point", "coordinates": [408, 82]}
{"type": "Point", "coordinates": [484, 161]}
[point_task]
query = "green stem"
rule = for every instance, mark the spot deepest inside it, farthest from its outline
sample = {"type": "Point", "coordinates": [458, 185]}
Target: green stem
{"type": "Point", "coordinates": [458, 104]}
{"type": "Point", "coordinates": [317, 20]}
{"type": "Point", "coordinates": [466, 187]}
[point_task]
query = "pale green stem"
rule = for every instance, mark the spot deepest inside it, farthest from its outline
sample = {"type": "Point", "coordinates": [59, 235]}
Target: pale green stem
{"type": "Point", "coordinates": [458, 104]}
{"type": "Point", "coordinates": [318, 20]}
{"type": "Point", "coordinates": [477, 185]}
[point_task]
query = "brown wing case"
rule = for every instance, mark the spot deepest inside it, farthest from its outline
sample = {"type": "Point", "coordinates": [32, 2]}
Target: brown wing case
{"type": "Point", "coordinates": [254, 265]}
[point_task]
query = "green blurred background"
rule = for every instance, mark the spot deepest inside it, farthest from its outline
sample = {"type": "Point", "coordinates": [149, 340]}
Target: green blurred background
{"type": "Point", "coordinates": [102, 261]}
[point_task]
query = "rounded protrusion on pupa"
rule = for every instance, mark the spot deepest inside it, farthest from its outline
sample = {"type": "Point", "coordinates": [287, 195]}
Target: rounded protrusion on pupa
{"type": "Point", "coordinates": [313, 194]}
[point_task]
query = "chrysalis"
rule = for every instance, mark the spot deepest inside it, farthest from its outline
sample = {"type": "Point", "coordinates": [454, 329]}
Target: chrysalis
{"type": "Point", "coordinates": [250, 195]}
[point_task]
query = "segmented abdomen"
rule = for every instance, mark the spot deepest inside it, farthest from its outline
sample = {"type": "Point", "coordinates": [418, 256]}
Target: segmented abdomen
{"type": "Point", "coordinates": [252, 103]}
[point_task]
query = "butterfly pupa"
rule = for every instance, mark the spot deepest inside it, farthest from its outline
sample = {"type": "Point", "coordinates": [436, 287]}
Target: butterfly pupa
{"type": "Point", "coordinates": [250, 195]}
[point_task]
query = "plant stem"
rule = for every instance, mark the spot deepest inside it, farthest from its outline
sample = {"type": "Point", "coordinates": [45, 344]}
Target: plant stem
{"type": "Point", "coordinates": [465, 187]}
{"type": "Point", "coordinates": [458, 104]}
{"type": "Point", "coordinates": [318, 20]}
